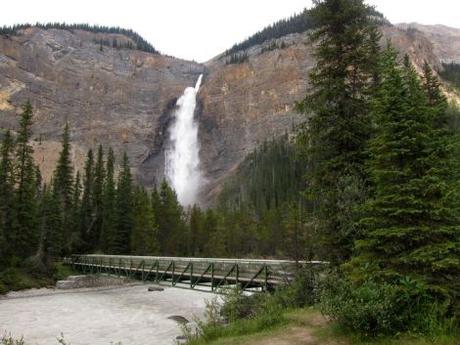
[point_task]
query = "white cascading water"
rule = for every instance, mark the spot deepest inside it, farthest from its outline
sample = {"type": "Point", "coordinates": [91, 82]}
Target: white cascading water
{"type": "Point", "coordinates": [182, 165]}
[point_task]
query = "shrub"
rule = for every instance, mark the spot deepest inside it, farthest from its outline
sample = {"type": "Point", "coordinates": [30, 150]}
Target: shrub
{"type": "Point", "coordinates": [376, 308]}
{"type": "Point", "coordinates": [303, 290]}
{"type": "Point", "coordinates": [9, 340]}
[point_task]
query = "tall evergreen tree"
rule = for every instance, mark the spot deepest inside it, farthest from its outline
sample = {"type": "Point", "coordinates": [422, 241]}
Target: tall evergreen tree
{"type": "Point", "coordinates": [52, 221]}
{"type": "Point", "coordinates": [124, 209]}
{"type": "Point", "coordinates": [76, 243]}
{"type": "Point", "coordinates": [63, 174]}
{"type": "Point", "coordinates": [109, 206]}
{"type": "Point", "coordinates": [412, 224]}
{"type": "Point", "coordinates": [339, 126]}
{"type": "Point", "coordinates": [171, 227]}
{"type": "Point", "coordinates": [144, 239]}
{"type": "Point", "coordinates": [25, 232]}
{"type": "Point", "coordinates": [98, 196]}
{"type": "Point", "coordinates": [7, 182]}
{"type": "Point", "coordinates": [63, 185]}
{"type": "Point", "coordinates": [87, 218]}
{"type": "Point", "coordinates": [196, 231]}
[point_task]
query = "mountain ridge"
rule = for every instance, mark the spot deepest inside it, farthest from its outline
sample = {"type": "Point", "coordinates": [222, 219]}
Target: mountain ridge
{"type": "Point", "coordinates": [124, 98]}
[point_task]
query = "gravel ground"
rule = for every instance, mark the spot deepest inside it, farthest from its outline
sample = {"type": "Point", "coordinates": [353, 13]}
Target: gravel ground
{"type": "Point", "coordinates": [130, 315]}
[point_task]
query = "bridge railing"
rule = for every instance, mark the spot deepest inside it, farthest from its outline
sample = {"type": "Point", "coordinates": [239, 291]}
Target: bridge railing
{"type": "Point", "coordinates": [214, 273]}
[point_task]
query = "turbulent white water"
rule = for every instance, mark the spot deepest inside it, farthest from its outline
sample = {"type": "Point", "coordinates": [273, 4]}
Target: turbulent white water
{"type": "Point", "coordinates": [182, 166]}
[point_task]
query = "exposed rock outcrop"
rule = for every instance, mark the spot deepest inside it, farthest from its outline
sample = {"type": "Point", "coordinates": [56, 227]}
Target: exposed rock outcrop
{"type": "Point", "coordinates": [124, 98]}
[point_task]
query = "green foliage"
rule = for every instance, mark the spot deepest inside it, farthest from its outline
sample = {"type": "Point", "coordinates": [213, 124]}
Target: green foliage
{"type": "Point", "coordinates": [171, 225]}
{"type": "Point", "coordinates": [24, 231]}
{"type": "Point", "coordinates": [411, 222]}
{"type": "Point", "coordinates": [98, 196]}
{"type": "Point", "coordinates": [197, 236]}
{"type": "Point", "coordinates": [18, 278]}
{"type": "Point", "coordinates": [7, 211]}
{"type": "Point", "coordinates": [124, 209]}
{"type": "Point", "coordinates": [87, 219]}
{"type": "Point", "coordinates": [297, 23]}
{"type": "Point", "coordinates": [144, 235]}
{"type": "Point", "coordinates": [451, 73]}
{"type": "Point", "coordinates": [63, 185]}
{"type": "Point", "coordinates": [9, 340]}
{"type": "Point", "coordinates": [237, 58]}
{"type": "Point", "coordinates": [339, 126]}
{"type": "Point", "coordinates": [268, 177]}
{"type": "Point", "coordinates": [108, 206]}
{"type": "Point", "coordinates": [51, 216]}
{"type": "Point", "coordinates": [375, 308]}
{"type": "Point", "coordinates": [238, 314]}
{"type": "Point", "coordinates": [139, 43]}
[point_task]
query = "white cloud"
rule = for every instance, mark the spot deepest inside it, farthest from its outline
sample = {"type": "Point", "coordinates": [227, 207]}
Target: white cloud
{"type": "Point", "coordinates": [201, 29]}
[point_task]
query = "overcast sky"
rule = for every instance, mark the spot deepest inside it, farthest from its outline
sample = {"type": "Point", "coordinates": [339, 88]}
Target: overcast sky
{"type": "Point", "coordinates": [200, 29]}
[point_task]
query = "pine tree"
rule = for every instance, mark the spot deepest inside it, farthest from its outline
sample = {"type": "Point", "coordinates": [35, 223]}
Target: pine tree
{"type": "Point", "coordinates": [412, 224]}
{"type": "Point", "coordinates": [87, 218]}
{"type": "Point", "coordinates": [51, 221]}
{"type": "Point", "coordinates": [63, 174]}
{"type": "Point", "coordinates": [109, 206]}
{"type": "Point", "coordinates": [196, 231]}
{"type": "Point", "coordinates": [144, 234]}
{"type": "Point", "coordinates": [124, 209]}
{"type": "Point", "coordinates": [215, 245]}
{"type": "Point", "coordinates": [63, 187]}
{"type": "Point", "coordinates": [7, 182]}
{"type": "Point", "coordinates": [75, 241]}
{"type": "Point", "coordinates": [339, 126]}
{"type": "Point", "coordinates": [25, 232]}
{"type": "Point", "coordinates": [171, 227]}
{"type": "Point", "coordinates": [98, 196]}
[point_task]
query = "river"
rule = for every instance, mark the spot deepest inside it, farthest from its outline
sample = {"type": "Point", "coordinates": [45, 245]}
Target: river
{"type": "Point", "coordinates": [129, 314]}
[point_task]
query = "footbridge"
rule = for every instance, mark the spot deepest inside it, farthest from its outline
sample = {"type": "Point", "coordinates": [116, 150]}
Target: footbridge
{"type": "Point", "coordinates": [202, 273]}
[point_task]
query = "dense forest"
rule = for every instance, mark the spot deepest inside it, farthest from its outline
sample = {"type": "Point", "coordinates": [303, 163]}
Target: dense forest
{"type": "Point", "coordinates": [297, 23]}
{"type": "Point", "coordinates": [451, 73]}
{"type": "Point", "coordinates": [101, 209]}
{"type": "Point", "coordinates": [139, 42]}
{"type": "Point", "coordinates": [378, 191]}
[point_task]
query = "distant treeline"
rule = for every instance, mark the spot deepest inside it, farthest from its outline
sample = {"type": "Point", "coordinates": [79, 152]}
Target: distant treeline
{"type": "Point", "coordinates": [139, 42]}
{"type": "Point", "coordinates": [451, 73]}
{"type": "Point", "coordinates": [297, 23]}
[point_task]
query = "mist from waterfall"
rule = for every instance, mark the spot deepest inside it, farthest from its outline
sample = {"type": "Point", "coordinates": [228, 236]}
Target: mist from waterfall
{"type": "Point", "coordinates": [182, 164]}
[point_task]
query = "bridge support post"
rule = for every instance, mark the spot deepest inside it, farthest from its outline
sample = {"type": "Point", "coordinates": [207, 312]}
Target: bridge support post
{"type": "Point", "coordinates": [265, 278]}
{"type": "Point", "coordinates": [212, 276]}
{"type": "Point", "coordinates": [237, 276]}
{"type": "Point", "coordinates": [191, 275]}
{"type": "Point", "coordinates": [157, 270]}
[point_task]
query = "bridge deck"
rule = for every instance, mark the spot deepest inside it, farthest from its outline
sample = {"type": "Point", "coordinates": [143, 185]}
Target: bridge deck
{"type": "Point", "coordinates": [207, 272]}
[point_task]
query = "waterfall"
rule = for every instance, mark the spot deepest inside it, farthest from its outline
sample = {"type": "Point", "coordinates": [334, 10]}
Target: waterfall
{"type": "Point", "coordinates": [182, 163]}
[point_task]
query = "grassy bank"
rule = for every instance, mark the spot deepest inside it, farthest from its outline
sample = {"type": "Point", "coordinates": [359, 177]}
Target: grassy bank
{"type": "Point", "coordinates": [303, 327]}
{"type": "Point", "coordinates": [21, 278]}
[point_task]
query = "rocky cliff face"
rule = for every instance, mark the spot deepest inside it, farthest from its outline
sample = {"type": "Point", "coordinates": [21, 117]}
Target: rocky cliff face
{"type": "Point", "coordinates": [124, 98]}
{"type": "Point", "coordinates": [109, 96]}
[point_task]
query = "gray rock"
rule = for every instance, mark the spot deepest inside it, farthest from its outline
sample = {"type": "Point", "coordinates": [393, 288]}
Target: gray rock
{"type": "Point", "coordinates": [179, 319]}
{"type": "Point", "coordinates": [155, 288]}
{"type": "Point", "coordinates": [125, 98]}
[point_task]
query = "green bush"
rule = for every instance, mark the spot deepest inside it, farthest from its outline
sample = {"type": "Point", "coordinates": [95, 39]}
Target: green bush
{"type": "Point", "coordinates": [303, 290]}
{"type": "Point", "coordinates": [375, 308]}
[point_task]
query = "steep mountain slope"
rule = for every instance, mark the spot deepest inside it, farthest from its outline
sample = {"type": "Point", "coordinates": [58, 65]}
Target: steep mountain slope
{"type": "Point", "coordinates": [110, 96]}
{"type": "Point", "coordinates": [125, 97]}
